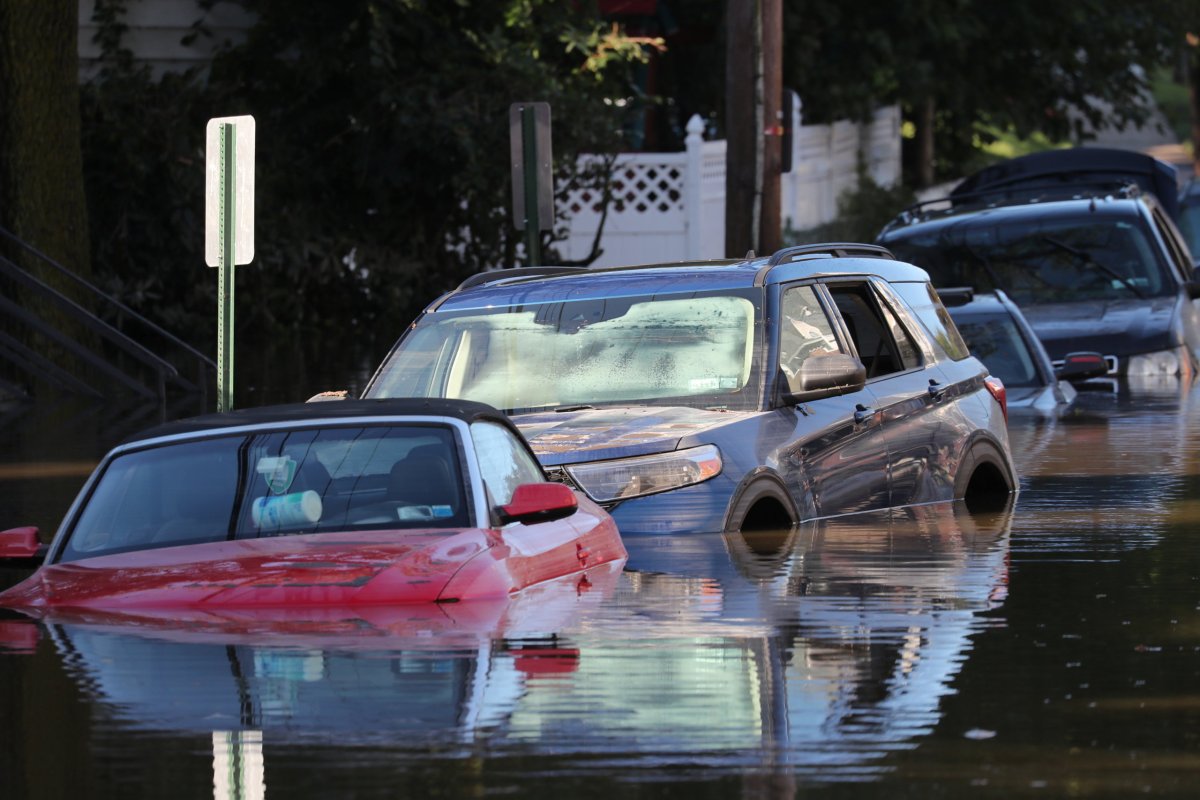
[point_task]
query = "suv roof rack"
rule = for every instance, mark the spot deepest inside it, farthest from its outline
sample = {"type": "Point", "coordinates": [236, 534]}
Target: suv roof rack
{"type": "Point", "coordinates": [1013, 196]}
{"type": "Point", "coordinates": [782, 256]}
{"type": "Point", "coordinates": [508, 273]}
{"type": "Point", "coordinates": [829, 250]}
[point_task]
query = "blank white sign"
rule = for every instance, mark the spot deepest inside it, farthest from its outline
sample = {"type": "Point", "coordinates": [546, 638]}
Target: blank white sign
{"type": "Point", "coordinates": [243, 190]}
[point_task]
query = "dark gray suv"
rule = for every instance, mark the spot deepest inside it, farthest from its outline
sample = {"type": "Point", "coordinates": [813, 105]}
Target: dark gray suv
{"type": "Point", "coordinates": [1104, 272]}
{"type": "Point", "coordinates": [724, 395]}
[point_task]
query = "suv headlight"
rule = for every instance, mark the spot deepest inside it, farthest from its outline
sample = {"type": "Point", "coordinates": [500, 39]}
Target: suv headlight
{"type": "Point", "coordinates": [1162, 362]}
{"type": "Point", "coordinates": [623, 478]}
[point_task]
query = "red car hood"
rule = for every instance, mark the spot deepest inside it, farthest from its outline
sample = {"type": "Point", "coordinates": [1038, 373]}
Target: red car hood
{"type": "Point", "coordinates": [318, 569]}
{"type": "Point", "coordinates": [549, 606]}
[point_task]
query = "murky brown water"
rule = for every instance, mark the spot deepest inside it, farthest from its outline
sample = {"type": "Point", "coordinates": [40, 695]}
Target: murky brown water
{"type": "Point", "coordinates": [1049, 651]}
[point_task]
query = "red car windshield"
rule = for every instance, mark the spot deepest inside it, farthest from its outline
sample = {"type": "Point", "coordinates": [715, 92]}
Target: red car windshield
{"type": "Point", "coordinates": [272, 483]}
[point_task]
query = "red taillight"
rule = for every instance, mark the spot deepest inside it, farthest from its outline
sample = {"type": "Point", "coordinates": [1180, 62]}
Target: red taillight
{"type": "Point", "coordinates": [996, 387]}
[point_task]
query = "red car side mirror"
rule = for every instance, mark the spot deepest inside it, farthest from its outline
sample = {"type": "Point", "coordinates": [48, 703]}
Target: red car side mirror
{"type": "Point", "coordinates": [539, 502]}
{"type": "Point", "coordinates": [19, 543]}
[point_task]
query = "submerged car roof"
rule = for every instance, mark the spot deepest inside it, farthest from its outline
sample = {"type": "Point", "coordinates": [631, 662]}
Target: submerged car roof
{"type": "Point", "coordinates": [466, 410]}
{"type": "Point", "coordinates": [558, 284]}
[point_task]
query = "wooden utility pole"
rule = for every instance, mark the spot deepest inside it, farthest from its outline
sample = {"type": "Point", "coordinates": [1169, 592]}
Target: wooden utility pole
{"type": "Point", "coordinates": [753, 98]}
{"type": "Point", "coordinates": [925, 123]}
{"type": "Point", "coordinates": [743, 127]}
{"type": "Point", "coordinates": [770, 225]}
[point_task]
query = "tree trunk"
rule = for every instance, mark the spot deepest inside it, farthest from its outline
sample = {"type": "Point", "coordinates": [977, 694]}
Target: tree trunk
{"type": "Point", "coordinates": [42, 198]}
{"type": "Point", "coordinates": [925, 117]}
{"type": "Point", "coordinates": [41, 160]}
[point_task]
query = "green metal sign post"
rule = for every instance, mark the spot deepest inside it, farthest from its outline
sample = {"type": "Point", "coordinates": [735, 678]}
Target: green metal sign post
{"type": "Point", "coordinates": [228, 227]}
{"type": "Point", "coordinates": [228, 232]}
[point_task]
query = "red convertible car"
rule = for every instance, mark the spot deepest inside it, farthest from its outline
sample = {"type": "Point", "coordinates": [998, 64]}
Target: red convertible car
{"type": "Point", "coordinates": [322, 504]}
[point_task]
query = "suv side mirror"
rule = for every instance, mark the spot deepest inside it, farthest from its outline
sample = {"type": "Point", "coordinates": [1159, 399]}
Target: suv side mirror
{"type": "Point", "coordinates": [1193, 286]}
{"type": "Point", "coordinates": [1081, 367]}
{"type": "Point", "coordinates": [825, 376]}
{"type": "Point", "coordinates": [538, 502]}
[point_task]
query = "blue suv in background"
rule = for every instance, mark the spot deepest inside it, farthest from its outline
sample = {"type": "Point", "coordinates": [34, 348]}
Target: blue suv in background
{"type": "Point", "coordinates": [723, 395]}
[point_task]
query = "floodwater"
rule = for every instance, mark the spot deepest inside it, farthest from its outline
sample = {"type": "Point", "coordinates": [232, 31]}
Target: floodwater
{"type": "Point", "coordinates": [1051, 650]}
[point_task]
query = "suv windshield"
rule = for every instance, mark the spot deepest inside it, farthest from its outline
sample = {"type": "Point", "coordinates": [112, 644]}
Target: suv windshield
{"type": "Point", "coordinates": [695, 350]}
{"type": "Point", "coordinates": [1038, 261]}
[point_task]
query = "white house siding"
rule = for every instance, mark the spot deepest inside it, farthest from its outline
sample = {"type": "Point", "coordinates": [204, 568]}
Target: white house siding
{"type": "Point", "coordinates": [156, 29]}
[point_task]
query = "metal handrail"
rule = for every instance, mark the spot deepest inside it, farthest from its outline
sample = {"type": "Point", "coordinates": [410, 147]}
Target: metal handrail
{"type": "Point", "coordinates": [112, 301]}
{"type": "Point", "coordinates": [831, 249]}
{"type": "Point", "coordinates": [162, 368]}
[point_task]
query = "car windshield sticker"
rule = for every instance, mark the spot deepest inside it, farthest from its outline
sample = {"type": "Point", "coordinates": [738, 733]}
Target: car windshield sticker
{"type": "Point", "coordinates": [423, 513]}
{"type": "Point", "coordinates": [279, 471]}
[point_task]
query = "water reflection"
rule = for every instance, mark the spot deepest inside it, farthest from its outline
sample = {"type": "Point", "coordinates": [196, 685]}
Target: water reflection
{"type": "Point", "coordinates": [820, 648]}
{"type": "Point", "coordinates": [1107, 476]}
{"type": "Point", "coordinates": [828, 645]}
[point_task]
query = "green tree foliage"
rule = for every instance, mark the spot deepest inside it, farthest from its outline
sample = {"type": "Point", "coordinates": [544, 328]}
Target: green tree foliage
{"type": "Point", "coordinates": [382, 153]}
{"type": "Point", "coordinates": [1052, 68]}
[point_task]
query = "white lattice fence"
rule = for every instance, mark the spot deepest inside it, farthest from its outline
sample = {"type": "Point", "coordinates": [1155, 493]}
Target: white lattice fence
{"type": "Point", "coordinates": [645, 216]}
{"type": "Point", "coordinates": [671, 206]}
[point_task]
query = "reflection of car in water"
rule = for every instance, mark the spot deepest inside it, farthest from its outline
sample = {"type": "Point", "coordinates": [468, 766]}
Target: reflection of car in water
{"type": "Point", "coordinates": [829, 643]}
{"type": "Point", "coordinates": [1112, 469]}
{"type": "Point", "coordinates": [822, 647]}
{"type": "Point", "coordinates": [342, 674]}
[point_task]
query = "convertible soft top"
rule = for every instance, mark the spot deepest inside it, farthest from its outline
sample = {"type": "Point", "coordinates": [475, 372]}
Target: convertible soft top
{"type": "Point", "coordinates": [466, 410]}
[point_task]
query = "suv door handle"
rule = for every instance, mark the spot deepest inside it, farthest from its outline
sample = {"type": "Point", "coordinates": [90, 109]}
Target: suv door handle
{"type": "Point", "coordinates": [862, 414]}
{"type": "Point", "coordinates": [936, 390]}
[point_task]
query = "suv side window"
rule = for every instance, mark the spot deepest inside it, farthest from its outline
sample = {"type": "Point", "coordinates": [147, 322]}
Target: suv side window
{"type": "Point", "coordinates": [870, 327]}
{"type": "Point", "coordinates": [804, 329]}
{"type": "Point", "coordinates": [925, 303]}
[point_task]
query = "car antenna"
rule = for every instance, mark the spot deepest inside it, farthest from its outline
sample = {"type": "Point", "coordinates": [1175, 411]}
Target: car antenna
{"type": "Point", "coordinates": [1092, 205]}
{"type": "Point", "coordinates": [750, 253]}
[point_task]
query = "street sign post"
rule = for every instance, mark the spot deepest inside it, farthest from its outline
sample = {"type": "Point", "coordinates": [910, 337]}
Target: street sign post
{"type": "Point", "coordinates": [532, 174]}
{"type": "Point", "coordinates": [228, 226]}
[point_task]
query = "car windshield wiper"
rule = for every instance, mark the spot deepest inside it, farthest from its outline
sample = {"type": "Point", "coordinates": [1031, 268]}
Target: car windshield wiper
{"type": "Point", "coordinates": [1094, 264]}
{"type": "Point", "coordinates": [986, 264]}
